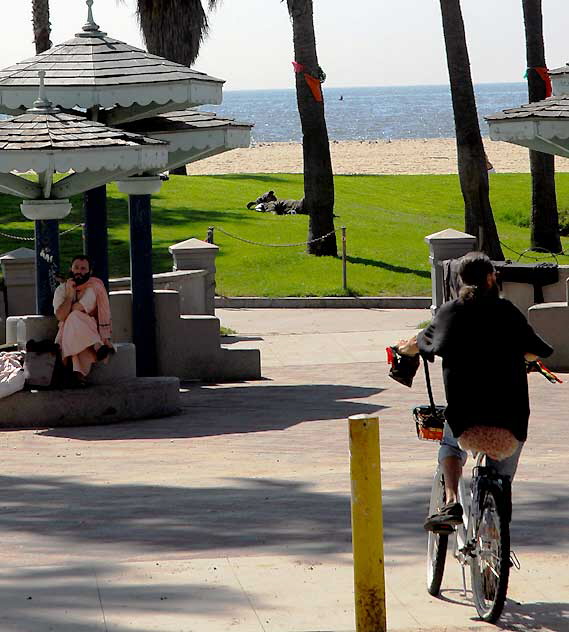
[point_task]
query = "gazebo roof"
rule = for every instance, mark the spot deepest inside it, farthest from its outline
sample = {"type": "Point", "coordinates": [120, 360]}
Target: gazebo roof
{"type": "Point", "coordinates": [46, 140]}
{"type": "Point", "coordinates": [55, 130]}
{"type": "Point", "coordinates": [552, 108]}
{"type": "Point", "coordinates": [93, 69]}
{"type": "Point", "coordinates": [182, 120]}
{"type": "Point", "coordinates": [54, 140]}
{"type": "Point", "coordinates": [193, 135]}
{"type": "Point", "coordinates": [542, 125]}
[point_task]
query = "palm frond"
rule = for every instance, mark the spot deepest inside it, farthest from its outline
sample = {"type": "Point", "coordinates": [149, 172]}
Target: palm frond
{"type": "Point", "coordinates": [174, 29]}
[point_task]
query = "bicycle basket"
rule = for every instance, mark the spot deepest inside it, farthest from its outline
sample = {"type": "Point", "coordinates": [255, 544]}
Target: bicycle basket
{"type": "Point", "coordinates": [429, 423]}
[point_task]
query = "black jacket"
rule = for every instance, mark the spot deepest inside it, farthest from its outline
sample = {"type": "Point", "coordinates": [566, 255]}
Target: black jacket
{"type": "Point", "coordinates": [482, 344]}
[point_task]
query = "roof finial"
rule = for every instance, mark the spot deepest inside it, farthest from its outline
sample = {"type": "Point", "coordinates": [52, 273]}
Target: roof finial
{"type": "Point", "coordinates": [90, 28]}
{"type": "Point", "coordinates": [42, 102]}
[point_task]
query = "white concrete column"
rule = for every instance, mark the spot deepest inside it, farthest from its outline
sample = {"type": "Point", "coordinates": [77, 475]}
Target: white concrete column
{"type": "Point", "coordinates": [446, 244]}
{"type": "Point", "coordinates": [195, 254]}
{"type": "Point", "coordinates": [19, 271]}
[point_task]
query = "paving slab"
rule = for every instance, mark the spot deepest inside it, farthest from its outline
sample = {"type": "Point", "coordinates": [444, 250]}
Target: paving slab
{"type": "Point", "coordinates": [308, 337]}
{"type": "Point", "coordinates": [235, 514]}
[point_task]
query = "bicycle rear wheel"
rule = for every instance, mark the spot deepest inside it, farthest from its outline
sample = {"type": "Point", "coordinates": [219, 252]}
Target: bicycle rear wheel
{"type": "Point", "coordinates": [436, 544]}
{"type": "Point", "coordinates": [490, 566]}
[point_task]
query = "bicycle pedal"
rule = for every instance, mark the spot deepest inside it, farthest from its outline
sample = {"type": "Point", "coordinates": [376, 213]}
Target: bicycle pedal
{"type": "Point", "coordinates": [514, 561]}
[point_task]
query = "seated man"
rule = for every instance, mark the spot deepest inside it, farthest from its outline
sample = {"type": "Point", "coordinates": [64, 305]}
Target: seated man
{"type": "Point", "coordinates": [81, 306]}
{"type": "Point", "coordinates": [482, 340]}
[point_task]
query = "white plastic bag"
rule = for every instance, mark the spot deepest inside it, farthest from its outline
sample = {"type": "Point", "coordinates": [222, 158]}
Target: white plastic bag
{"type": "Point", "coordinates": [12, 377]}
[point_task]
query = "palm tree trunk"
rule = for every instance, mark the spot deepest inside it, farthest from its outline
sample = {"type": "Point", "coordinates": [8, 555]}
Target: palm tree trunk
{"type": "Point", "coordinates": [42, 26]}
{"type": "Point", "coordinates": [544, 216]}
{"type": "Point", "coordinates": [46, 232]}
{"type": "Point", "coordinates": [472, 170]}
{"type": "Point", "coordinates": [318, 176]}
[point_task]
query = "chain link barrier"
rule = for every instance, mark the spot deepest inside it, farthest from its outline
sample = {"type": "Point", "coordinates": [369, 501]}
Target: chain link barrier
{"type": "Point", "coordinates": [20, 238]}
{"type": "Point", "coordinates": [548, 254]}
{"type": "Point", "coordinates": [257, 243]}
{"type": "Point", "coordinates": [210, 239]}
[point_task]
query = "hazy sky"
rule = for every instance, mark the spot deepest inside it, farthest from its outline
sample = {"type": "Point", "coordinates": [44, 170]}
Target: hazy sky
{"type": "Point", "coordinates": [360, 43]}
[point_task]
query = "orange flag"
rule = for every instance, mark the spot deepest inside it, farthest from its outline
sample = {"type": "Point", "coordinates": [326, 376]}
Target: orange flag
{"type": "Point", "coordinates": [315, 87]}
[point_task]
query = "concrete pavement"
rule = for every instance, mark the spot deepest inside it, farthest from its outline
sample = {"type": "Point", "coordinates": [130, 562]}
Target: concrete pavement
{"type": "Point", "coordinates": [235, 514]}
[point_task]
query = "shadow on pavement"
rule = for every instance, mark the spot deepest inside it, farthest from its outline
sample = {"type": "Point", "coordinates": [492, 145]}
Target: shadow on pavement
{"type": "Point", "coordinates": [283, 516]}
{"type": "Point", "coordinates": [286, 517]}
{"type": "Point", "coordinates": [239, 409]}
{"type": "Point", "coordinates": [69, 599]}
{"type": "Point", "coordinates": [527, 617]}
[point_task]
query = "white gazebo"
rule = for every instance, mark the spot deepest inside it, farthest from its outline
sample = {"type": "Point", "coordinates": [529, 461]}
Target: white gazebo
{"type": "Point", "coordinates": [110, 82]}
{"type": "Point", "coordinates": [542, 125]}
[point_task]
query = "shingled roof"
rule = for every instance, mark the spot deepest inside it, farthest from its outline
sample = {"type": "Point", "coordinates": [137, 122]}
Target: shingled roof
{"type": "Point", "coordinates": [55, 130]}
{"type": "Point", "coordinates": [181, 121]}
{"type": "Point", "coordinates": [559, 71]}
{"type": "Point", "coordinates": [551, 108]}
{"type": "Point", "coordinates": [98, 61]}
{"type": "Point", "coordinates": [93, 69]}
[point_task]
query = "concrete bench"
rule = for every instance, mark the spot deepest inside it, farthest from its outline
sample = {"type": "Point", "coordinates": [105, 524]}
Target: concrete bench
{"type": "Point", "coordinates": [121, 365]}
{"type": "Point", "coordinates": [137, 398]}
{"type": "Point", "coordinates": [551, 322]}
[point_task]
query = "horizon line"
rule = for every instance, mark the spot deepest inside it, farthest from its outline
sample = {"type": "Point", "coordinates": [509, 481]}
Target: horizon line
{"type": "Point", "coordinates": [410, 85]}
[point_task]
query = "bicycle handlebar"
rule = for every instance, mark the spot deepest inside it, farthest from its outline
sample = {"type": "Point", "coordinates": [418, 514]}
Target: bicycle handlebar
{"type": "Point", "coordinates": [537, 366]}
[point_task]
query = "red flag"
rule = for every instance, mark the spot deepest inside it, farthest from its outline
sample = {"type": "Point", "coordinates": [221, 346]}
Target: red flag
{"type": "Point", "coordinates": [544, 74]}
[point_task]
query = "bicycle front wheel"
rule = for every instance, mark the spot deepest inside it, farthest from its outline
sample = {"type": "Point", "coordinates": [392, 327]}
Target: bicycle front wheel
{"type": "Point", "coordinates": [490, 566]}
{"type": "Point", "coordinates": [436, 544]}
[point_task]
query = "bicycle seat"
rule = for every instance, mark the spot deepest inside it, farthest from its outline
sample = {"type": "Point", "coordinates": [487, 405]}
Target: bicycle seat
{"type": "Point", "coordinates": [497, 443]}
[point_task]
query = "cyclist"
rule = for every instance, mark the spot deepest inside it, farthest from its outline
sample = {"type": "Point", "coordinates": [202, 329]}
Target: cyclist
{"type": "Point", "coordinates": [484, 341]}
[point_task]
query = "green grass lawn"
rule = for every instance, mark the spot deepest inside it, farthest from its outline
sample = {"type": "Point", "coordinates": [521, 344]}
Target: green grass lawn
{"type": "Point", "coordinates": [387, 218]}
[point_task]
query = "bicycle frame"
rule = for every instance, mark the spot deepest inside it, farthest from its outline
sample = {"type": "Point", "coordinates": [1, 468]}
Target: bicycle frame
{"type": "Point", "coordinates": [464, 544]}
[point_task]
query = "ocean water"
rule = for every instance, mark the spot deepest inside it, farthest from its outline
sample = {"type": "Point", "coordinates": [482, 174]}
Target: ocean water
{"type": "Point", "coordinates": [366, 113]}
{"type": "Point", "coordinates": [376, 113]}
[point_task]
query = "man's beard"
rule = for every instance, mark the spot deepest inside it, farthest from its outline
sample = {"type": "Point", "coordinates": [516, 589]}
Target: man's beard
{"type": "Point", "coordinates": [80, 279]}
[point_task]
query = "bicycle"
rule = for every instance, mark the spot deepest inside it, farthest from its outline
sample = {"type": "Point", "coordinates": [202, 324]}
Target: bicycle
{"type": "Point", "coordinates": [482, 540]}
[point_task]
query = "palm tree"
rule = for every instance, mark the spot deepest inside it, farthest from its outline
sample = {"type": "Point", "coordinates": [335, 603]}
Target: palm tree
{"type": "Point", "coordinates": [318, 176]}
{"type": "Point", "coordinates": [472, 170]}
{"type": "Point", "coordinates": [175, 29]}
{"type": "Point", "coordinates": [46, 231]}
{"type": "Point", "coordinates": [544, 216]}
{"type": "Point", "coordinates": [42, 25]}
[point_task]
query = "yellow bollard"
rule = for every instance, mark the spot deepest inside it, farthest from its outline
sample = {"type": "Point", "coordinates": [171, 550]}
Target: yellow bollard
{"type": "Point", "coordinates": [367, 524]}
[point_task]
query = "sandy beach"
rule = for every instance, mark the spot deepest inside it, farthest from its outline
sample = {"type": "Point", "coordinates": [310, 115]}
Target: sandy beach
{"type": "Point", "coordinates": [432, 156]}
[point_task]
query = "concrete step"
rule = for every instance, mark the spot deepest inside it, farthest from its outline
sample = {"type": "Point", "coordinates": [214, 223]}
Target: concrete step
{"type": "Point", "coordinates": [188, 346]}
{"type": "Point", "coordinates": [138, 398]}
{"type": "Point", "coordinates": [202, 327]}
{"type": "Point", "coordinates": [239, 364]}
{"type": "Point", "coordinates": [120, 366]}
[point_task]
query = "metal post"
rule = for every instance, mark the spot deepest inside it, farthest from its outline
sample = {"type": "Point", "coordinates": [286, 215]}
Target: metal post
{"type": "Point", "coordinates": [209, 237]}
{"type": "Point", "coordinates": [344, 268]}
{"type": "Point", "coordinates": [367, 524]}
{"type": "Point", "coordinates": [96, 238]}
{"type": "Point", "coordinates": [143, 310]}
{"type": "Point", "coordinates": [47, 264]}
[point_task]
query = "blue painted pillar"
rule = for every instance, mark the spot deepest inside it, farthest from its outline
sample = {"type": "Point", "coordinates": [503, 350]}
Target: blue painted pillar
{"type": "Point", "coordinates": [96, 235]}
{"type": "Point", "coordinates": [143, 311]}
{"type": "Point", "coordinates": [47, 264]}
